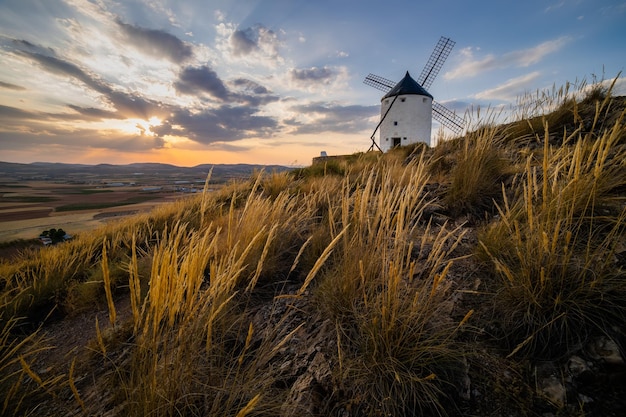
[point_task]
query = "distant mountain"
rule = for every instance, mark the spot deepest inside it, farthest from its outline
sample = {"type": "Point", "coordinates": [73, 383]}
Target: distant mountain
{"type": "Point", "coordinates": [56, 169]}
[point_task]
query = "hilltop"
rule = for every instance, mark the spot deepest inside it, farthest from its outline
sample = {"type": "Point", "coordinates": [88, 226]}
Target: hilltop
{"type": "Point", "coordinates": [485, 276]}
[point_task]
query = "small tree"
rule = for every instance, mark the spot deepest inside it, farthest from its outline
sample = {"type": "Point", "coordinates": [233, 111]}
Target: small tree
{"type": "Point", "coordinates": [56, 235]}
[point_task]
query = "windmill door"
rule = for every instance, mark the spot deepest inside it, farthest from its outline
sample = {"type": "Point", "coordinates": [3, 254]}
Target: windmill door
{"type": "Point", "coordinates": [396, 142]}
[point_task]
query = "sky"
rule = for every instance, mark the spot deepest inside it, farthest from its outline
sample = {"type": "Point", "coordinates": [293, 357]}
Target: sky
{"type": "Point", "coordinates": [190, 82]}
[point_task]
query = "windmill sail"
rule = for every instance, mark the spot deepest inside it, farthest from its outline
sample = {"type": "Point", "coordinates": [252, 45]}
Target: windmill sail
{"type": "Point", "coordinates": [379, 83]}
{"type": "Point", "coordinates": [435, 62]}
{"type": "Point", "coordinates": [448, 118]}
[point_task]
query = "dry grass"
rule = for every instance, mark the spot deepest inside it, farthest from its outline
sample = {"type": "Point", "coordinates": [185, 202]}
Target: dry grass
{"type": "Point", "coordinates": [554, 244]}
{"type": "Point", "coordinates": [356, 241]}
{"type": "Point", "coordinates": [390, 297]}
{"type": "Point", "coordinates": [477, 175]}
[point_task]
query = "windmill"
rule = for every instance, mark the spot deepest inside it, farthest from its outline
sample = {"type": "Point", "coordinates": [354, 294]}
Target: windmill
{"type": "Point", "coordinates": [410, 121]}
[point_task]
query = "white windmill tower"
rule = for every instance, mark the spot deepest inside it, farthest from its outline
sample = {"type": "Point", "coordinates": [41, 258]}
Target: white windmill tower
{"type": "Point", "coordinates": [406, 111]}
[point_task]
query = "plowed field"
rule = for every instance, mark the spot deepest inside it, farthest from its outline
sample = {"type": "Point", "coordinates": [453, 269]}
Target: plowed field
{"type": "Point", "coordinates": [27, 210]}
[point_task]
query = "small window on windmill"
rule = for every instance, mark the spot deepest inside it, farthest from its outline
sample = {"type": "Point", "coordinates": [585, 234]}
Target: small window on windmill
{"type": "Point", "coordinates": [403, 100]}
{"type": "Point", "coordinates": [403, 138]}
{"type": "Point", "coordinates": [423, 99]}
{"type": "Point", "coordinates": [395, 123]}
{"type": "Point", "coordinates": [386, 139]}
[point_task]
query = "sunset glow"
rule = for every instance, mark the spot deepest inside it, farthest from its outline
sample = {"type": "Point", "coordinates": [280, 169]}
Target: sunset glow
{"type": "Point", "coordinates": [259, 82]}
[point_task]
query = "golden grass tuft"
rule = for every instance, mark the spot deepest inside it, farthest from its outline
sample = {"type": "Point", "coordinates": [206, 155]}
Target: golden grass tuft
{"type": "Point", "coordinates": [554, 244]}
{"type": "Point", "coordinates": [396, 339]}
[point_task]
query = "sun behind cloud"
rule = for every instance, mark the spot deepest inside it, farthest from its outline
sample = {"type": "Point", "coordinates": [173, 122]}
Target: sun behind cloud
{"type": "Point", "coordinates": [135, 126]}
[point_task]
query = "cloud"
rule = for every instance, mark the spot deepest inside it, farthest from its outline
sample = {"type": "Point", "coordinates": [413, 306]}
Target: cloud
{"type": "Point", "coordinates": [10, 86]}
{"type": "Point", "coordinates": [126, 104]}
{"type": "Point", "coordinates": [15, 117]}
{"type": "Point", "coordinates": [24, 44]}
{"type": "Point", "coordinates": [511, 89]}
{"type": "Point", "coordinates": [530, 56]}
{"type": "Point", "coordinates": [13, 113]}
{"type": "Point", "coordinates": [471, 66]}
{"type": "Point", "coordinates": [332, 117]}
{"type": "Point", "coordinates": [156, 43]}
{"type": "Point", "coordinates": [256, 44]}
{"type": "Point", "coordinates": [78, 140]}
{"type": "Point", "coordinates": [62, 67]}
{"type": "Point", "coordinates": [324, 75]}
{"type": "Point", "coordinates": [257, 38]}
{"type": "Point", "coordinates": [313, 78]}
{"type": "Point", "coordinates": [224, 124]}
{"type": "Point", "coordinates": [197, 81]}
{"type": "Point", "coordinates": [23, 129]}
{"type": "Point", "coordinates": [243, 42]}
{"type": "Point", "coordinates": [616, 85]}
{"type": "Point", "coordinates": [555, 6]}
{"type": "Point", "coordinates": [251, 86]}
{"type": "Point", "coordinates": [251, 93]}
{"type": "Point", "coordinates": [92, 113]}
{"type": "Point", "coordinates": [219, 15]}
{"type": "Point", "coordinates": [194, 80]}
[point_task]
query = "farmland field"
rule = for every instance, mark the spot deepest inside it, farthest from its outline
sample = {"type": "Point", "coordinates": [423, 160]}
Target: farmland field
{"type": "Point", "coordinates": [39, 196]}
{"type": "Point", "coordinates": [40, 205]}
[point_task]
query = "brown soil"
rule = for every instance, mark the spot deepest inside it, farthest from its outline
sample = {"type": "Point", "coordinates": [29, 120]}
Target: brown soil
{"type": "Point", "coordinates": [26, 219]}
{"type": "Point", "coordinates": [11, 216]}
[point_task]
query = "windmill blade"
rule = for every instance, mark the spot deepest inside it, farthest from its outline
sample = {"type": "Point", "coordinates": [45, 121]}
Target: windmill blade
{"type": "Point", "coordinates": [448, 118]}
{"type": "Point", "coordinates": [435, 62]}
{"type": "Point", "coordinates": [380, 83]}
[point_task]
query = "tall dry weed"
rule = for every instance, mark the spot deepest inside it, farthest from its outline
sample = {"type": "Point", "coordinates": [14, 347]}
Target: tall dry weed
{"type": "Point", "coordinates": [397, 339]}
{"type": "Point", "coordinates": [554, 244]}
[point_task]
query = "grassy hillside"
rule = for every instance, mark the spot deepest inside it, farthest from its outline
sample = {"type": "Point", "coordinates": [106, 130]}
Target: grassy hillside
{"type": "Point", "coordinates": [485, 276]}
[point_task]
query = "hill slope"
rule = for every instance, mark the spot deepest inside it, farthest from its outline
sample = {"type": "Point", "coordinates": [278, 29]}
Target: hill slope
{"type": "Point", "coordinates": [485, 276]}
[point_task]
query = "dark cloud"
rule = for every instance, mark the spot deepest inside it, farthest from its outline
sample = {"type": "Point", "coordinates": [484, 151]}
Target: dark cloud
{"type": "Point", "coordinates": [194, 80]}
{"type": "Point", "coordinates": [10, 86]}
{"type": "Point", "coordinates": [224, 124]}
{"type": "Point", "coordinates": [77, 140]}
{"type": "Point", "coordinates": [244, 42]}
{"type": "Point", "coordinates": [15, 117]}
{"type": "Point", "coordinates": [95, 114]}
{"type": "Point", "coordinates": [256, 39]}
{"type": "Point", "coordinates": [62, 67]}
{"type": "Point", "coordinates": [134, 105]}
{"type": "Point", "coordinates": [203, 80]}
{"type": "Point", "coordinates": [330, 117]}
{"type": "Point", "coordinates": [22, 42]}
{"type": "Point", "coordinates": [251, 93]}
{"type": "Point", "coordinates": [17, 45]}
{"type": "Point", "coordinates": [237, 116]}
{"type": "Point", "coordinates": [12, 113]}
{"type": "Point", "coordinates": [316, 75]}
{"type": "Point", "coordinates": [250, 86]}
{"type": "Point", "coordinates": [40, 121]}
{"type": "Point", "coordinates": [157, 43]}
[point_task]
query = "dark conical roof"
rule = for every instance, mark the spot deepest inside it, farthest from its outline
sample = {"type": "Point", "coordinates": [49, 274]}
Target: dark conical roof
{"type": "Point", "coordinates": [407, 86]}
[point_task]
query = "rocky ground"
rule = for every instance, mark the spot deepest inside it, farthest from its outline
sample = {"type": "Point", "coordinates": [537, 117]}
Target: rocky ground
{"type": "Point", "coordinates": [588, 380]}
